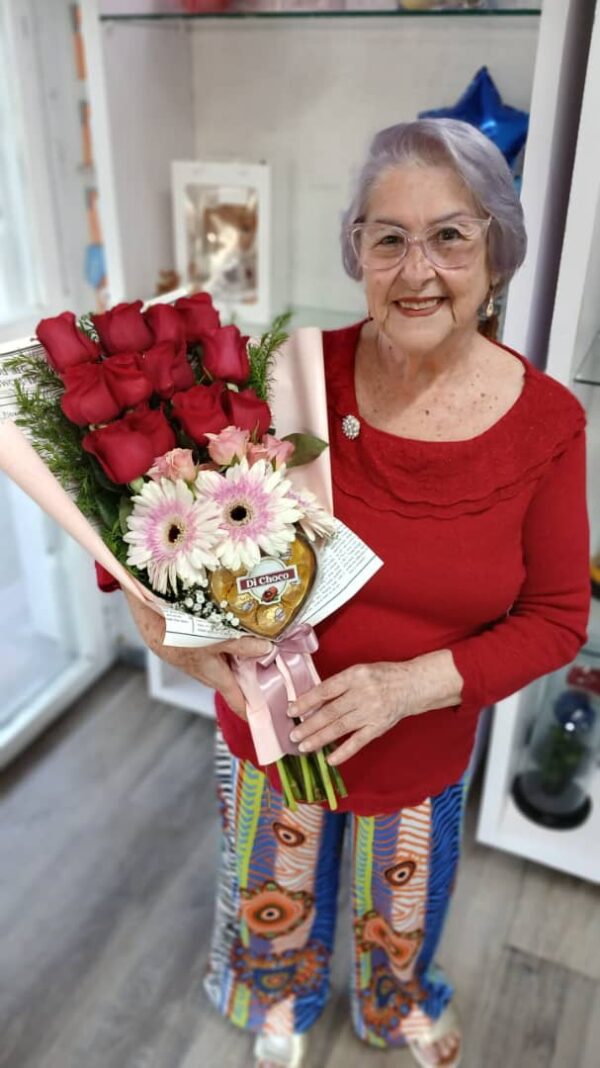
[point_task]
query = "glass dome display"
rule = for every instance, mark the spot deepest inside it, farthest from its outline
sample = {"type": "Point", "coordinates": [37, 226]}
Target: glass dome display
{"type": "Point", "coordinates": [552, 784]}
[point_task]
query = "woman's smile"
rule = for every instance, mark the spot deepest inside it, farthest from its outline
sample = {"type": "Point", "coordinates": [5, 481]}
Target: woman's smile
{"type": "Point", "coordinates": [418, 307]}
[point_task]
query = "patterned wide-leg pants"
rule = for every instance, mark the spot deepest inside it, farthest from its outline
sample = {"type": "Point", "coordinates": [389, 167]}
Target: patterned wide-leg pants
{"type": "Point", "coordinates": [277, 901]}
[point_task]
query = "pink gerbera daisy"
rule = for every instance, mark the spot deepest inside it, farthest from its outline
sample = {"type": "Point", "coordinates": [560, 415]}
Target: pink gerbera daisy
{"type": "Point", "coordinates": [172, 535]}
{"type": "Point", "coordinates": [314, 520]}
{"type": "Point", "coordinates": [255, 510]}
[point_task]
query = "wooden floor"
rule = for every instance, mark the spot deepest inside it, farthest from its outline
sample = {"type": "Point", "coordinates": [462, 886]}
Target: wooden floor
{"type": "Point", "coordinates": [108, 844]}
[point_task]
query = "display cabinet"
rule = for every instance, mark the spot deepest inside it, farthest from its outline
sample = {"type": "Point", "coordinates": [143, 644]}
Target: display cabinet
{"type": "Point", "coordinates": [573, 351]}
{"type": "Point", "coordinates": [302, 91]}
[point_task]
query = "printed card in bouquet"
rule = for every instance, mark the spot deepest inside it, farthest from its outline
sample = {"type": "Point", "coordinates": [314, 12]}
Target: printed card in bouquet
{"type": "Point", "coordinates": [192, 463]}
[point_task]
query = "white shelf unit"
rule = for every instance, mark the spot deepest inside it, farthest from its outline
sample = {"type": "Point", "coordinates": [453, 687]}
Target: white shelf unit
{"type": "Point", "coordinates": [304, 94]}
{"type": "Point", "coordinates": [167, 684]}
{"type": "Point", "coordinates": [575, 322]}
{"type": "Point", "coordinates": [218, 89]}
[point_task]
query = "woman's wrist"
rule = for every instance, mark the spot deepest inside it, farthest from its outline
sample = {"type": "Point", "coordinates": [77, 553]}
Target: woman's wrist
{"type": "Point", "coordinates": [435, 681]}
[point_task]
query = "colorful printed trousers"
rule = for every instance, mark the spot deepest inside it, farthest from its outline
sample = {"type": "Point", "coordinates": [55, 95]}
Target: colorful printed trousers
{"type": "Point", "coordinates": [277, 902]}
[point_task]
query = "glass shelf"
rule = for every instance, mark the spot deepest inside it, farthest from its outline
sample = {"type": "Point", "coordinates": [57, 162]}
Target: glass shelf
{"type": "Point", "coordinates": [342, 12]}
{"type": "Point", "coordinates": [589, 370]}
{"type": "Point", "coordinates": [322, 318]}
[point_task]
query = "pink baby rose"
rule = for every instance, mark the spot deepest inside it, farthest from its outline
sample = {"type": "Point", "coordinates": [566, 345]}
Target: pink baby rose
{"type": "Point", "coordinates": [178, 463]}
{"type": "Point", "coordinates": [231, 444]}
{"type": "Point", "coordinates": [270, 448]}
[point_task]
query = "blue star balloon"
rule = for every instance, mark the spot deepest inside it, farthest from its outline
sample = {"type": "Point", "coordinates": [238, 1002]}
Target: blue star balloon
{"type": "Point", "coordinates": [481, 105]}
{"type": "Point", "coordinates": [95, 265]}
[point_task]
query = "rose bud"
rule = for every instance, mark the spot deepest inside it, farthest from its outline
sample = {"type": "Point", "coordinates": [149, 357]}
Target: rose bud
{"type": "Point", "coordinates": [126, 379]}
{"type": "Point", "coordinates": [247, 411]}
{"type": "Point", "coordinates": [122, 329]}
{"type": "Point", "coordinates": [65, 345]}
{"type": "Point", "coordinates": [178, 463]}
{"type": "Point", "coordinates": [229, 445]}
{"type": "Point", "coordinates": [198, 315]}
{"type": "Point", "coordinates": [127, 448]}
{"type": "Point", "coordinates": [167, 369]}
{"type": "Point", "coordinates": [166, 325]}
{"type": "Point", "coordinates": [272, 449]}
{"type": "Point", "coordinates": [224, 355]}
{"type": "Point", "coordinates": [200, 411]}
{"type": "Point", "coordinates": [87, 397]}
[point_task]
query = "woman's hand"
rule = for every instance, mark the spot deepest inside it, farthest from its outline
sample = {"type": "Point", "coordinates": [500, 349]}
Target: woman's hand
{"type": "Point", "coordinates": [209, 664]}
{"type": "Point", "coordinates": [367, 700]}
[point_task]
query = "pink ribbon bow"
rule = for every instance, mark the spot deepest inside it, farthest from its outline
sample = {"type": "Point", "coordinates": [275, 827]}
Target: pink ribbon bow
{"type": "Point", "coordinates": [270, 682]}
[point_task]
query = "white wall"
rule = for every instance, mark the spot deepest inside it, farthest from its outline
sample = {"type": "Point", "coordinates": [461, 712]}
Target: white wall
{"type": "Point", "coordinates": [149, 83]}
{"type": "Point", "coordinates": [308, 95]}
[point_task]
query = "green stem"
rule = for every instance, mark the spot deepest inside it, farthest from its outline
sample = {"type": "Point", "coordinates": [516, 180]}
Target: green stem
{"type": "Point", "coordinates": [294, 770]}
{"type": "Point", "coordinates": [338, 781]}
{"type": "Point", "coordinates": [326, 780]}
{"type": "Point", "coordinates": [288, 796]}
{"type": "Point", "coordinates": [307, 778]}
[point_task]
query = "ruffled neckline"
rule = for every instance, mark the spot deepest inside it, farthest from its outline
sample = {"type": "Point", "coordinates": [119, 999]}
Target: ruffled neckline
{"type": "Point", "coordinates": [417, 477]}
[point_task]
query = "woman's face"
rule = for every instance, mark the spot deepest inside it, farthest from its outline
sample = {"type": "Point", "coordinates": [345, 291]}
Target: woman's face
{"type": "Point", "coordinates": [414, 196]}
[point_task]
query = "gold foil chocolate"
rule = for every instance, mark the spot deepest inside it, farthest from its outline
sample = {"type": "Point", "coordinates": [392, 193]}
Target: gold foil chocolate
{"type": "Point", "coordinates": [267, 597]}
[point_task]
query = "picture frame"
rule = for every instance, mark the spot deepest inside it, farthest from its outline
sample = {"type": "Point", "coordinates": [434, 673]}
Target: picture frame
{"type": "Point", "coordinates": [222, 229]}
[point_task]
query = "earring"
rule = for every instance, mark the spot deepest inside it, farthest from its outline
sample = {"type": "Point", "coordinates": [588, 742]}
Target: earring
{"type": "Point", "coordinates": [489, 308]}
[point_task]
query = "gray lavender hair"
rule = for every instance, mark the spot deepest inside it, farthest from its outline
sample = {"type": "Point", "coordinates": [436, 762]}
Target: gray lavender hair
{"type": "Point", "coordinates": [476, 160]}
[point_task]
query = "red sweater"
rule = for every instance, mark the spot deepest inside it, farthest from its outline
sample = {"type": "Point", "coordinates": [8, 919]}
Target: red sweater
{"type": "Point", "coordinates": [486, 552]}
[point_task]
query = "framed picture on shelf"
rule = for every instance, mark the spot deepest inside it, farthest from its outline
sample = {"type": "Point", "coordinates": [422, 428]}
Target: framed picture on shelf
{"type": "Point", "coordinates": [222, 225]}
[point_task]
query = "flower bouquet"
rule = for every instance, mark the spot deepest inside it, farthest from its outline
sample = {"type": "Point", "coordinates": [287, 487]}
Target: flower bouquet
{"type": "Point", "coordinates": [158, 424]}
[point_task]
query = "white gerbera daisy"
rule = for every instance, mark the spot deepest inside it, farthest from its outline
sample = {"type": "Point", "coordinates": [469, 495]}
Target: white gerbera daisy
{"type": "Point", "coordinates": [172, 535]}
{"type": "Point", "coordinates": [314, 520]}
{"type": "Point", "coordinates": [256, 511]}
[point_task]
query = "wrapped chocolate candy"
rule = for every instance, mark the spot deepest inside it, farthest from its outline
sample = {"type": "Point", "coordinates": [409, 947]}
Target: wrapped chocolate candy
{"type": "Point", "coordinates": [269, 596]}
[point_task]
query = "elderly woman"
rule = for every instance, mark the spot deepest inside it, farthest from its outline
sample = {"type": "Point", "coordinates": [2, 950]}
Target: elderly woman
{"type": "Point", "coordinates": [462, 467]}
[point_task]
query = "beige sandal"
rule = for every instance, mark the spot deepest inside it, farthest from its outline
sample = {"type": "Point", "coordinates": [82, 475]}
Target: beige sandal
{"type": "Point", "coordinates": [445, 1025]}
{"type": "Point", "coordinates": [279, 1051]}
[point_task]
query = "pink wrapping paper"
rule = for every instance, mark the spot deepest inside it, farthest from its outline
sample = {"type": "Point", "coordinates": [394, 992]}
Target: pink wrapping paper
{"type": "Point", "coordinates": [20, 461]}
{"type": "Point", "coordinates": [299, 404]}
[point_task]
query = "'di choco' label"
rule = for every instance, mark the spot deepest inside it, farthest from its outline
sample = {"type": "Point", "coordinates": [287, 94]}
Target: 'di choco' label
{"type": "Point", "coordinates": [267, 597]}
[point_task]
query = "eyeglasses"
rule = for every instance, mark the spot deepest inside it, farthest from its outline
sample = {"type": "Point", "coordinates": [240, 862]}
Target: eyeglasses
{"type": "Point", "coordinates": [379, 246]}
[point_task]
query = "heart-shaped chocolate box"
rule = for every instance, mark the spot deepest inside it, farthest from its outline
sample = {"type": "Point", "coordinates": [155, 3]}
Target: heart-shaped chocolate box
{"type": "Point", "coordinates": [268, 597]}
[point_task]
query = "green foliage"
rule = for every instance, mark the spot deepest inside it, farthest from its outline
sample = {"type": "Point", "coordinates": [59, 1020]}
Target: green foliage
{"type": "Point", "coordinates": [262, 355]}
{"type": "Point", "coordinates": [306, 448]}
{"type": "Point", "coordinates": [58, 441]}
{"type": "Point", "coordinates": [194, 357]}
{"type": "Point", "coordinates": [86, 325]}
{"type": "Point", "coordinates": [125, 510]}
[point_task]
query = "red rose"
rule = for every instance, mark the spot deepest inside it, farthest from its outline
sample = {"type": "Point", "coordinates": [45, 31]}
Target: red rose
{"type": "Point", "coordinates": [224, 355]}
{"type": "Point", "coordinates": [247, 411]}
{"type": "Point", "coordinates": [126, 380]}
{"type": "Point", "coordinates": [198, 315]}
{"type": "Point", "coordinates": [65, 345]}
{"type": "Point", "coordinates": [200, 411]}
{"type": "Point", "coordinates": [105, 581]}
{"type": "Point", "coordinates": [166, 325]}
{"type": "Point", "coordinates": [128, 447]}
{"type": "Point", "coordinates": [87, 398]}
{"type": "Point", "coordinates": [153, 423]}
{"type": "Point", "coordinates": [167, 369]}
{"type": "Point", "coordinates": [122, 329]}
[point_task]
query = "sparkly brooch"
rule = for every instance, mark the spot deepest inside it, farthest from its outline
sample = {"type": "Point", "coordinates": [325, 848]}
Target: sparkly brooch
{"type": "Point", "coordinates": [351, 426]}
